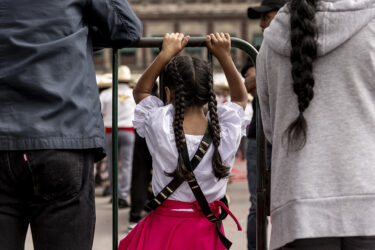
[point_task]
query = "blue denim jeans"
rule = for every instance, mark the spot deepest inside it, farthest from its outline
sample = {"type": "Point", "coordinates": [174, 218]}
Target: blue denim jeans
{"type": "Point", "coordinates": [251, 180]}
{"type": "Point", "coordinates": [53, 192]}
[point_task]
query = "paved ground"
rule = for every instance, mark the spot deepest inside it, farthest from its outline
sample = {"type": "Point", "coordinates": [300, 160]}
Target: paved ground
{"type": "Point", "coordinates": [239, 205]}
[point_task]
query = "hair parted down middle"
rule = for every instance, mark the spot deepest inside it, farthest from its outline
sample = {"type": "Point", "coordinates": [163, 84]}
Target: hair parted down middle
{"type": "Point", "coordinates": [191, 81]}
{"type": "Point", "coordinates": [303, 53]}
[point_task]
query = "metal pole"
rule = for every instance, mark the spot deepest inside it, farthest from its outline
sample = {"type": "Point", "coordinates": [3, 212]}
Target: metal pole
{"type": "Point", "coordinates": [210, 60]}
{"type": "Point", "coordinates": [261, 226]}
{"type": "Point", "coordinates": [156, 42]}
{"type": "Point", "coordinates": [115, 149]}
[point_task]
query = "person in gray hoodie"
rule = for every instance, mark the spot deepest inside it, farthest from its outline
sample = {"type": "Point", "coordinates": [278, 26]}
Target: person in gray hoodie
{"type": "Point", "coordinates": [316, 87]}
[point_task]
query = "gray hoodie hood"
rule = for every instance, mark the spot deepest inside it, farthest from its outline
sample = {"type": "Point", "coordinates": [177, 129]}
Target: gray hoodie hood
{"type": "Point", "coordinates": [337, 21]}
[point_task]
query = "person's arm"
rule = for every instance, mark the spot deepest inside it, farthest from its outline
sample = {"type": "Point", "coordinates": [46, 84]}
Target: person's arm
{"type": "Point", "coordinates": [112, 23]}
{"type": "Point", "coordinates": [220, 45]}
{"type": "Point", "coordinates": [263, 92]}
{"type": "Point", "coordinates": [172, 45]}
{"type": "Point", "coordinates": [250, 81]}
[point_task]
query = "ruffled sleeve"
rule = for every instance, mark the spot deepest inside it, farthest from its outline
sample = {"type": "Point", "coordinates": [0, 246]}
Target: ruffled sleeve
{"type": "Point", "coordinates": [153, 121]}
{"type": "Point", "coordinates": [143, 112]}
{"type": "Point", "coordinates": [233, 122]}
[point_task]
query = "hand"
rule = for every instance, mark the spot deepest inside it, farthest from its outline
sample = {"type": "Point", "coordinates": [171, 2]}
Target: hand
{"type": "Point", "coordinates": [219, 44]}
{"type": "Point", "coordinates": [173, 44]}
{"type": "Point", "coordinates": [250, 81]}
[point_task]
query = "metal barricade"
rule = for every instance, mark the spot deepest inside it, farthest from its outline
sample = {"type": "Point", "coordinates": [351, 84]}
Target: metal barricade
{"type": "Point", "coordinates": [156, 42]}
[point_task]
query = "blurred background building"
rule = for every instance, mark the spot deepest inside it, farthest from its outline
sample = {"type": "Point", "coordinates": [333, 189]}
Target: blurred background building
{"type": "Point", "coordinates": [192, 17]}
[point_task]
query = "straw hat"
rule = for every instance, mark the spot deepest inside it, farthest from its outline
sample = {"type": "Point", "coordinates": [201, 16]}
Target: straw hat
{"type": "Point", "coordinates": [250, 98]}
{"type": "Point", "coordinates": [222, 85]}
{"type": "Point", "coordinates": [124, 74]}
{"type": "Point", "coordinates": [104, 81]}
{"type": "Point", "coordinates": [220, 81]}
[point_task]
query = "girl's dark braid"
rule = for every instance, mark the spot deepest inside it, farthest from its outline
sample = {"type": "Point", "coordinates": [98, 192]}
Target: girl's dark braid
{"type": "Point", "coordinates": [181, 170]}
{"type": "Point", "coordinates": [219, 169]}
{"type": "Point", "coordinates": [303, 53]}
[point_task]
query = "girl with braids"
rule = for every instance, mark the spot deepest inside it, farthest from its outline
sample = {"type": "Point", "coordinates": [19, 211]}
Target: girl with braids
{"type": "Point", "coordinates": [179, 222]}
{"type": "Point", "coordinates": [316, 87]}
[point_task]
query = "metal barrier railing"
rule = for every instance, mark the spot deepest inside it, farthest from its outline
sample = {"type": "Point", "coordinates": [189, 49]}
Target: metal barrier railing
{"type": "Point", "coordinates": [156, 42]}
{"type": "Point", "coordinates": [263, 182]}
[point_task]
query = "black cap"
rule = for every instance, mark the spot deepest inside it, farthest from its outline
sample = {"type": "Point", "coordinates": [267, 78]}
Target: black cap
{"type": "Point", "coordinates": [265, 6]}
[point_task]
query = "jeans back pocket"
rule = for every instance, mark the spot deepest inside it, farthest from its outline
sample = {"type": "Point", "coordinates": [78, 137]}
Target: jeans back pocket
{"type": "Point", "coordinates": [57, 174]}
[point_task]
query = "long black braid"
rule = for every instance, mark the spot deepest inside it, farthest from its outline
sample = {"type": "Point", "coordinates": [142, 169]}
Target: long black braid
{"type": "Point", "coordinates": [220, 170]}
{"type": "Point", "coordinates": [191, 81]}
{"type": "Point", "coordinates": [303, 53]}
{"type": "Point", "coordinates": [179, 93]}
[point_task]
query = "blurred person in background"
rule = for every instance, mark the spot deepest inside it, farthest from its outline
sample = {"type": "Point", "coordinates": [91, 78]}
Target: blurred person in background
{"type": "Point", "coordinates": [249, 73]}
{"type": "Point", "coordinates": [141, 186]}
{"type": "Point", "coordinates": [224, 95]}
{"type": "Point", "coordinates": [51, 130]}
{"type": "Point", "coordinates": [265, 13]}
{"type": "Point", "coordinates": [126, 136]}
{"type": "Point", "coordinates": [316, 88]}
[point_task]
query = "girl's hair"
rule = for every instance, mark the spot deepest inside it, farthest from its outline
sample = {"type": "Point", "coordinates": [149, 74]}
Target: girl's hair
{"type": "Point", "coordinates": [191, 81]}
{"type": "Point", "coordinates": [303, 53]}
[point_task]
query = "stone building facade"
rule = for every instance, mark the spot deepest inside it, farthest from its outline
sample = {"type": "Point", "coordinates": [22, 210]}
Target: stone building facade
{"type": "Point", "coordinates": [192, 17]}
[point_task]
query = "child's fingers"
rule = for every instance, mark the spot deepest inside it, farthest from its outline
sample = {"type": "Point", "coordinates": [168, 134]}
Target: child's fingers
{"type": "Point", "coordinates": [166, 38]}
{"type": "Point", "coordinates": [208, 42]}
{"type": "Point", "coordinates": [180, 36]}
{"type": "Point", "coordinates": [213, 38]}
{"type": "Point", "coordinates": [185, 41]}
{"type": "Point", "coordinates": [217, 36]}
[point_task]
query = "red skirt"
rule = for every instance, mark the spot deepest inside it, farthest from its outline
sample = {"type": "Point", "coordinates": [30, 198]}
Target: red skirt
{"type": "Point", "coordinates": [168, 229]}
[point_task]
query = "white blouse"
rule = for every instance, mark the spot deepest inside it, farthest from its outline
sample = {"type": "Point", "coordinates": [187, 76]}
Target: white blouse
{"type": "Point", "coordinates": [153, 121]}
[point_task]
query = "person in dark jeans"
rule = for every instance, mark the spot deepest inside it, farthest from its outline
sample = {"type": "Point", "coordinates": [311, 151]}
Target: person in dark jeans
{"type": "Point", "coordinates": [51, 129]}
{"type": "Point", "coordinates": [265, 13]}
{"type": "Point", "coordinates": [141, 179]}
{"type": "Point", "coordinates": [53, 192]}
{"type": "Point", "coordinates": [248, 73]}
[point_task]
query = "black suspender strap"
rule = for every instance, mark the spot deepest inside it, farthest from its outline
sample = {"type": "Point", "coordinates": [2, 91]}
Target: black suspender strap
{"type": "Point", "coordinates": [176, 182]}
{"type": "Point", "coordinates": [202, 201]}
